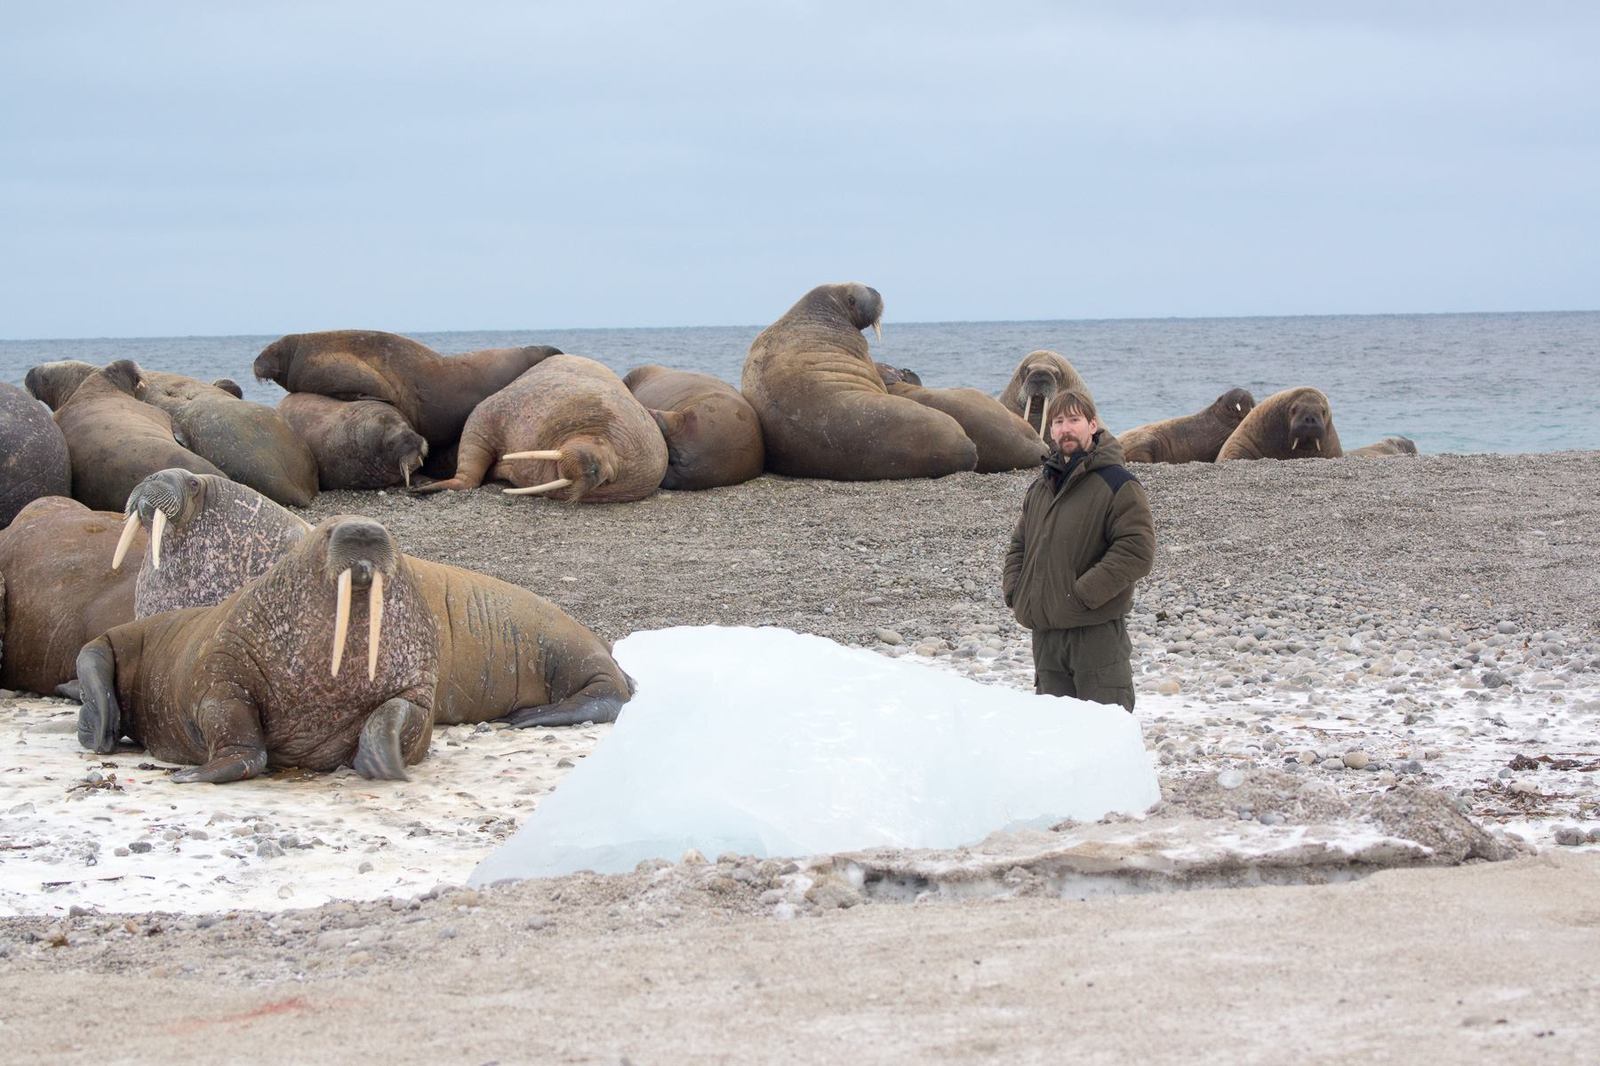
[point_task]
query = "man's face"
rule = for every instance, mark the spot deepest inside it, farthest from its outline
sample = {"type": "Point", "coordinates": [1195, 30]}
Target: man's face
{"type": "Point", "coordinates": [1073, 432]}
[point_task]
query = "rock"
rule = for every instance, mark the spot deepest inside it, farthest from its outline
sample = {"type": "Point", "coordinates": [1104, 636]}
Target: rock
{"type": "Point", "coordinates": [1356, 760]}
{"type": "Point", "coordinates": [692, 857]}
{"type": "Point", "coordinates": [1332, 762]}
{"type": "Point", "coordinates": [1570, 836]}
{"type": "Point", "coordinates": [1507, 628]}
{"type": "Point", "coordinates": [1307, 757]}
{"type": "Point", "coordinates": [1169, 687]}
{"type": "Point", "coordinates": [1270, 818]}
{"type": "Point", "coordinates": [139, 847]}
{"type": "Point", "coordinates": [890, 637]}
{"type": "Point", "coordinates": [1230, 779]}
{"type": "Point", "coordinates": [1494, 679]}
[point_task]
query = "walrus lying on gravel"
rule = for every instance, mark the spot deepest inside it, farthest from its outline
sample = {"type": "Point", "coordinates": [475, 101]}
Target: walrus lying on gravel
{"type": "Point", "coordinates": [712, 433]}
{"type": "Point", "coordinates": [58, 590]}
{"type": "Point", "coordinates": [1004, 441]}
{"type": "Point", "coordinates": [261, 679]}
{"type": "Point", "coordinates": [435, 393]}
{"type": "Point", "coordinates": [568, 428]}
{"type": "Point", "coordinates": [1383, 449]}
{"type": "Point", "coordinates": [1292, 424]}
{"type": "Point", "coordinates": [825, 411]}
{"type": "Point", "coordinates": [1195, 438]}
{"type": "Point", "coordinates": [33, 453]}
{"type": "Point", "coordinates": [358, 444]}
{"type": "Point", "coordinates": [116, 439]}
{"type": "Point", "coordinates": [1039, 376]}
{"type": "Point", "coordinates": [504, 652]}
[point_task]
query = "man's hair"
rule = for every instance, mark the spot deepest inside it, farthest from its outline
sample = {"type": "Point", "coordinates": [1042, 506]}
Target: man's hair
{"type": "Point", "coordinates": [1070, 402]}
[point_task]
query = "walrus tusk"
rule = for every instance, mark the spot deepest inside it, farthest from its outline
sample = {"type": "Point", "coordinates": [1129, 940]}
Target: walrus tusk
{"type": "Point", "coordinates": [1042, 406]}
{"type": "Point", "coordinates": [1238, 407]}
{"type": "Point", "coordinates": [548, 486]}
{"type": "Point", "coordinates": [158, 525]}
{"type": "Point", "coordinates": [877, 327]}
{"type": "Point", "coordinates": [1319, 444]}
{"type": "Point", "coordinates": [374, 623]}
{"type": "Point", "coordinates": [1294, 442]}
{"type": "Point", "coordinates": [127, 538]}
{"type": "Point", "coordinates": [341, 620]}
{"type": "Point", "coordinates": [549, 453]}
{"type": "Point", "coordinates": [405, 472]}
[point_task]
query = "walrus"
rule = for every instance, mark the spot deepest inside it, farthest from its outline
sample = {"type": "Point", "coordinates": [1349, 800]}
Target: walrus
{"type": "Point", "coordinates": [1039, 376]}
{"type": "Point", "coordinates": [568, 428]}
{"type": "Point", "coordinates": [261, 679]}
{"type": "Point", "coordinates": [1292, 424]}
{"type": "Point", "coordinates": [504, 652]}
{"type": "Point", "coordinates": [1004, 441]}
{"type": "Point", "coordinates": [33, 453]}
{"type": "Point", "coordinates": [435, 393]}
{"type": "Point", "coordinates": [358, 444]}
{"type": "Point", "coordinates": [1195, 438]}
{"type": "Point", "coordinates": [712, 433]}
{"type": "Point", "coordinates": [824, 410]}
{"type": "Point", "coordinates": [115, 439]}
{"type": "Point", "coordinates": [895, 375]}
{"type": "Point", "coordinates": [58, 590]}
{"type": "Point", "coordinates": [1383, 449]}
{"type": "Point", "coordinates": [54, 382]}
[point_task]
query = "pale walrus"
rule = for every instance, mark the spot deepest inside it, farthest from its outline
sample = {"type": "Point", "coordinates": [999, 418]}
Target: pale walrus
{"type": "Point", "coordinates": [58, 590]}
{"type": "Point", "coordinates": [358, 444]}
{"type": "Point", "coordinates": [1004, 441]}
{"type": "Point", "coordinates": [1383, 449]}
{"type": "Point", "coordinates": [116, 440]}
{"type": "Point", "coordinates": [504, 652]}
{"type": "Point", "coordinates": [568, 428]}
{"type": "Point", "coordinates": [33, 453]}
{"type": "Point", "coordinates": [825, 411]}
{"type": "Point", "coordinates": [277, 674]}
{"type": "Point", "coordinates": [1195, 438]}
{"type": "Point", "coordinates": [1292, 424]}
{"type": "Point", "coordinates": [435, 393]}
{"type": "Point", "coordinates": [712, 433]}
{"type": "Point", "coordinates": [1039, 376]}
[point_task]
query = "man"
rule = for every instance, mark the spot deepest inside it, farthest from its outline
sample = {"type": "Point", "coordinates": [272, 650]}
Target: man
{"type": "Point", "coordinates": [1084, 538]}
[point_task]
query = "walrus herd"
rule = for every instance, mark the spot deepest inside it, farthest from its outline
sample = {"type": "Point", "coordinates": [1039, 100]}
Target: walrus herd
{"type": "Point", "coordinates": [192, 612]}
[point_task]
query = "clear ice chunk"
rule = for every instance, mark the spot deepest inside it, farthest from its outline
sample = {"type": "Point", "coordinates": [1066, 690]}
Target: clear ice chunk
{"type": "Point", "coordinates": [772, 743]}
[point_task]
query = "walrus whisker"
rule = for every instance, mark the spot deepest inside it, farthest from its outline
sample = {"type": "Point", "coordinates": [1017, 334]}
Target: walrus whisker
{"type": "Point", "coordinates": [158, 526]}
{"type": "Point", "coordinates": [548, 486]}
{"type": "Point", "coordinates": [374, 622]}
{"type": "Point", "coordinates": [341, 620]}
{"type": "Point", "coordinates": [126, 539]}
{"type": "Point", "coordinates": [547, 453]}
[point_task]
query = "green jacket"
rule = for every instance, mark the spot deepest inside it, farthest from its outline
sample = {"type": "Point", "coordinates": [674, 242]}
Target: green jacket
{"type": "Point", "coordinates": [1078, 549]}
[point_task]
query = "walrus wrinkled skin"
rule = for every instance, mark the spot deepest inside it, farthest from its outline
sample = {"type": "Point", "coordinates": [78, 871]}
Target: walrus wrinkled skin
{"type": "Point", "coordinates": [328, 659]}
{"type": "Point", "coordinates": [435, 393]}
{"type": "Point", "coordinates": [569, 428]}
{"type": "Point", "coordinates": [1292, 424]}
{"type": "Point", "coordinates": [712, 433]}
{"type": "Point", "coordinates": [825, 411]}
{"type": "Point", "coordinates": [205, 539]}
{"type": "Point", "coordinates": [358, 444]}
{"type": "Point", "coordinates": [1004, 441]}
{"type": "Point", "coordinates": [504, 652]}
{"type": "Point", "coordinates": [33, 454]}
{"type": "Point", "coordinates": [896, 375]}
{"type": "Point", "coordinates": [1039, 376]}
{"type": "Point", "coordinates": [116, 439]}
{"type": "Point", "coordinates": [1195, 438]}
{"type": "Point", "coordinates": [57, 590]}
{"type": "Point", "coordinates": [1384, 449]}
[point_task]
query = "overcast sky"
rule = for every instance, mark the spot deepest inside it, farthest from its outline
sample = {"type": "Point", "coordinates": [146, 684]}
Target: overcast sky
{"type": "Point", "coordinates": [208, 168]}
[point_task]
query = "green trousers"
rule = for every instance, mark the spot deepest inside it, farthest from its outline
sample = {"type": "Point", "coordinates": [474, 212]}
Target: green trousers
{"type": "Point", "coordinates": [1089, 662]}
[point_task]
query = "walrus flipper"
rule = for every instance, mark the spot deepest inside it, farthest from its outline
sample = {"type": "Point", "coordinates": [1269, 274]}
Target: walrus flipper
{"type": "Point", "coordinates": [380, 751]}
{"type": "Point", "coordinates": [576, 709]}
{"type": "Point", "coordinates": [100, 717]}
{"type": "Point", "coordinates": [232, 731]}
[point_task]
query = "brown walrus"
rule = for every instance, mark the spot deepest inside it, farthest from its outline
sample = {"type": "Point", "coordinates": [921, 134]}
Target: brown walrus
{"type": "Point", "coordinates": [115, 439]}
{"type": "Point", "coordinates": [568, 428]}
{"type": "Point", "coordinates": [58, 590]}
{"type": "Point", "coordinates": [1004, 441]}
{"type": "Point", "coordinates": [54, 382]}
{"type": "Point", "coordinates": [358, 444]}
{"type": "Point", "coordinates": [504, 652]}
{"type": "Point", "coordinates": [1039, 376]}
{"type": "Point", "coordinates": [1292, 424]}
{"type": "Point", "coordinates": [435, 393]}
{"type": "Point", "coordinates": [33, 453]}
{"type": "Point", "coordinates": [262, 678]}
{"type": "Point", "coordinates": [825, 411]}
{"type": "Point", "coordinates": [712, 433]}
{"type": "Point", "coordinates": [895, 375]}
{"type": "Point", "coordinates": [1385, 448]}
{"type": "Point", "coordinates": [1195, 438]}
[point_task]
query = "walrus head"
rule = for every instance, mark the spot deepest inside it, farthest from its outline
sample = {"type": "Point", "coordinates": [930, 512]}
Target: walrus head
{"type": "Point", "coordinates": [125, 375]}
{"type": "Point", "coordinates": [895, 375]}
{"type": "Point", "coordinates": [863, 306]}
{"type": "Point", "coordinates": [358, 554]}
{"type": "Point", "coordinates": [54, 382]}
{"type": "Point", "coordinates": [229, 386]}
{"type": "Point", "coordinates": [582, 465]}
{"type": "Point", "coordinates": [405, 449]}
{"type": "Point", "coordinates": [1041, 380]}
{"type": "Point", "coordinates": [168, 496]}
{"type": "Point", "coordinates": [1233, 405]}
{"type": "Point", "coordinates": [273, 362]}
{"type": "Point", "coordinates": [1309, 419]}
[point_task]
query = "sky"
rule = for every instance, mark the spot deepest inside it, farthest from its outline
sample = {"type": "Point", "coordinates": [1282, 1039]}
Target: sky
{"type": "Point", "coordinates": [218, 168]}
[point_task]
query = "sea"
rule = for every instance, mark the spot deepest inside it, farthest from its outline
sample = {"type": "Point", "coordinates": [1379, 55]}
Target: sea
{"type": "Point", "coordinates": [1460, 383]}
